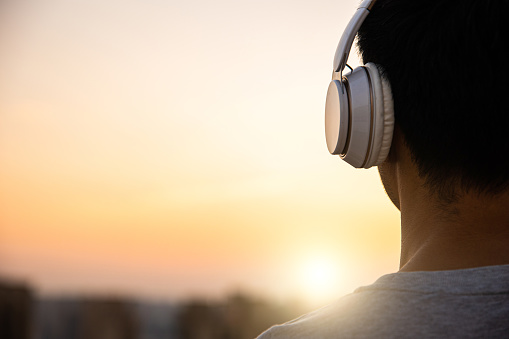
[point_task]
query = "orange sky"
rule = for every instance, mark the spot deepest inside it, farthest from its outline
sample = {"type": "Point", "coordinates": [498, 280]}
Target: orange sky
{"type": "Point", "coordinates": [172, 149]}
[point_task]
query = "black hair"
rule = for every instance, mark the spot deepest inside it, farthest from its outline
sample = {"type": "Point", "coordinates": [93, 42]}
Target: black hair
{"type": "Point", "coordinates": [445, 61]}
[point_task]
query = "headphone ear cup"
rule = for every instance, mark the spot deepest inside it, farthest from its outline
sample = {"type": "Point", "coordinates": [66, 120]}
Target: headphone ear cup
{"type": "Point", "coordinates": [383, 124]}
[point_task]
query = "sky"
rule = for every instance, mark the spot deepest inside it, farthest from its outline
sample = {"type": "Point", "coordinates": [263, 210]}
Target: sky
{"type": "Point", "coordinates": [176, 149]}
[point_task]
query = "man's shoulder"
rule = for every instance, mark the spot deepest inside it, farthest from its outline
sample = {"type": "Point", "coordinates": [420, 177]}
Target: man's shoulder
{"type": "Point", "coordinates": [319, 323]}
{"type": "Point", "coordinates": [355, 315]}
{"type": "Point", "coordinates": [461, 303]}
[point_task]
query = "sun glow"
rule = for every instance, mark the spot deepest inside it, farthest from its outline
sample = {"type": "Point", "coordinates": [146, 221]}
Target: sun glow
{"type": "Point", "coordinates": [320, 278]}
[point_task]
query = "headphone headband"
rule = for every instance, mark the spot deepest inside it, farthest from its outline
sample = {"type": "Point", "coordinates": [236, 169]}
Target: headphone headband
{"type": "Point", "coordinates": [346, 41]}
{"type": "Point", "coordinates": [359, 114]}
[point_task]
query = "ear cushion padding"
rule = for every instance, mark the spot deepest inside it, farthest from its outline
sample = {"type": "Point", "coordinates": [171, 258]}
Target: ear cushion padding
{"type": "Point", "coordinates": [383, 117]}
{"type": "Point", "coordinates": [388, 122]}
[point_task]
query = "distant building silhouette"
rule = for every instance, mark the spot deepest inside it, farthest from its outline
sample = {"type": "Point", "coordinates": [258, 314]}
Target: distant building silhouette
{"type": "Point", "coordinates": [58, 319]}
{"type": "Point", "coordinates": [247, 317]}
{"type": "Point", "coordinates": [158, 320]}
{"type": "Point", "coordinates": [240, 317]}
{"type": "Point", "coordinates": [16, 303]}
{"type": "Point", "coordinates": [199, 320]}
{"type": "Point", "coordinates": [108, 319]}
{"type": "Point", "coordinates": [67, 318]}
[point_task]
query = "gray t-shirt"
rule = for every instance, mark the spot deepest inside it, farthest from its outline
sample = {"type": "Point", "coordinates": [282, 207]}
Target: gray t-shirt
{"type": "Point", "coordinates": [468, 303]}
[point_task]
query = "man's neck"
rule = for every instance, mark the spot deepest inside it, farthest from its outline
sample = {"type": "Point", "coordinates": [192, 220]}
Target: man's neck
{"type": "Point", "coordinates": [472, 232]}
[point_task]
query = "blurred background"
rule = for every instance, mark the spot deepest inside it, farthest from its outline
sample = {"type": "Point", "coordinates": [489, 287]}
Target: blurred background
{"type": "Point", "coordinates": [168, 157]}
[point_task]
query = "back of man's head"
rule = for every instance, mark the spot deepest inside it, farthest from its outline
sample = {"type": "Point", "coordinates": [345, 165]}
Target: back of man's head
{"type": "Point", "coordinates": [445, 61]}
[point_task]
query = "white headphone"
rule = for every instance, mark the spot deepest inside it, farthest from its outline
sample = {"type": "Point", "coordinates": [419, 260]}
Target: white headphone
{"type": "Point", "coordinates": [359, 112]}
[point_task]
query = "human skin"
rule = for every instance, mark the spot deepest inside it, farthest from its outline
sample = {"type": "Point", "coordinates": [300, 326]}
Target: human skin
{"type": "Point", "coordinates": [472, 231]}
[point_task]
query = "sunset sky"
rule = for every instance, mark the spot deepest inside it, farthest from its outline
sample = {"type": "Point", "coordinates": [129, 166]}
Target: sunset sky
{"type": "Point", "coordinates": [176, 149]}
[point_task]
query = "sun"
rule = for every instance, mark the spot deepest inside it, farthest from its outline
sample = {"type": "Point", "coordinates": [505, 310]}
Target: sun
{"type": "Point", "coordinates": [319, 273]}
{"type": "Point", "coordinates": [320, 278]}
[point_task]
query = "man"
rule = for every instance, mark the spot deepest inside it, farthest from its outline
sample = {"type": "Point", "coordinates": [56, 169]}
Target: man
{"type": "Point", "coordinates": [447, 172]}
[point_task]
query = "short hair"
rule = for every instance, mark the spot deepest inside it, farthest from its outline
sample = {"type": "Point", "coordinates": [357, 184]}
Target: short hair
{"type": "Point", "coordinates": [446, 62]}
